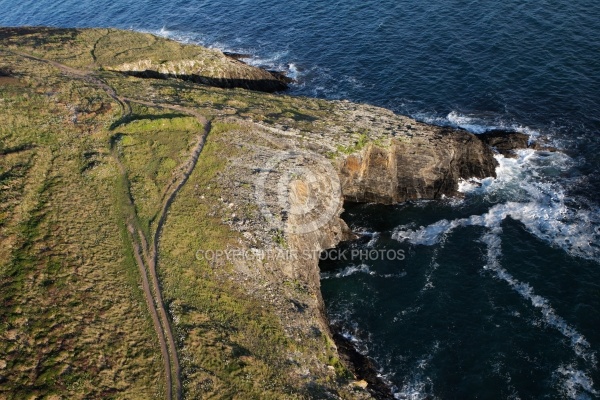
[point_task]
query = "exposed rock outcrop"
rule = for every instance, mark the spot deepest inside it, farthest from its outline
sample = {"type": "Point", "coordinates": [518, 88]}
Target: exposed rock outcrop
{"type": "Point", "coordinates": [363, 367]}
{"type": "Point", "coordinates": [408, 170]}
{"type": "Point", "coordinates": [218, 70]}
{"type": "Point", "coordinates": [505, 142]}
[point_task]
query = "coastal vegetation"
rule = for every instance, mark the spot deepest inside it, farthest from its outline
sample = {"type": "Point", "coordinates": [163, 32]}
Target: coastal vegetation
{"type": "Point", "coordinates": [111, 183]}
{"type": "Point", "coordinates": [74, 321]}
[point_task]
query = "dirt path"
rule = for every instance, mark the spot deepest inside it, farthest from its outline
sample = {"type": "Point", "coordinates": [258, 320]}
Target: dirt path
{"type": "Point", "coordinates": [155, 318]}
{"type": "Point", "coordinates": [138, 253]}
{"type": "Point", "coordinates": [169, 194]}
{"type": "Point", "coordinates": [151, 252]}
{"type": "Point", "coordinates": [146, 257]}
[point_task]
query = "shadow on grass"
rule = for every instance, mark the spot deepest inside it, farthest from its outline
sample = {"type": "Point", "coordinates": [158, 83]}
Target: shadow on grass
{"type": "Point", "coordinates": [295, 115]}
{"type": "Point", "coordinates": [38, 36]}
{"type": "Point", "coordinates": [114, 139]}
{"type": "Point", "coordinates": [17, 149]}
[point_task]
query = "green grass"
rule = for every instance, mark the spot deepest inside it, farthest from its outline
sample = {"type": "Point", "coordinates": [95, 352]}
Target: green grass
{"type": "Point", "coordinates": [363, 140]}
{"type": "Point", "coordinates": [74, 321]}
{"type": "Point", "coordinates": [69, 294]}
{"type": "Point", "coordinates": [151, 149]}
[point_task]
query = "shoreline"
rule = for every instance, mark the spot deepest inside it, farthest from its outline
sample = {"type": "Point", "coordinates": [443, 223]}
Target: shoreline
{"type": "Point", "coordinates": [362, 366]}
{"type": "Point", "coordinates": [355, 136]}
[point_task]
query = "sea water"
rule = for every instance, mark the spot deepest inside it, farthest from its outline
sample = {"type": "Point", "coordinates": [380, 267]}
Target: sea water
{"type": "Point", "coordinates": [498, 295]}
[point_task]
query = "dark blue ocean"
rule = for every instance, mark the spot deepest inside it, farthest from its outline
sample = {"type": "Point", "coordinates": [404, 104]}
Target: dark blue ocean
{"type": "Point", "coordinates": [498, 295]}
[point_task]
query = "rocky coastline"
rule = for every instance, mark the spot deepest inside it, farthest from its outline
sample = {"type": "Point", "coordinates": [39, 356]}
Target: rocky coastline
{"type": "Point", "coordinates": [243, 325]}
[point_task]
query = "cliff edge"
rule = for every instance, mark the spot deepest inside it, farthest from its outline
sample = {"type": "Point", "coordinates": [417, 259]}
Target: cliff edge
{"type": "Point", "coordinates": [161, 225]}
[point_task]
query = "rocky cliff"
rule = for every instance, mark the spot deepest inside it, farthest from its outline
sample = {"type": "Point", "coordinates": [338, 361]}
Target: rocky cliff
{"type": "Point", "coordinates": [160, 237]}
{"type": "Point", "coordinates": [212, 69]}
{"type": "Point", "coordinates": [147, 57]}
{"type": "Point", "coordinates": [425, 166]}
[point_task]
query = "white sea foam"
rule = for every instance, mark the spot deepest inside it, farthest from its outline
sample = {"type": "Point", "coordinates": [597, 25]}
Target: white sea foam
{"type": "Point", "coordinates": [398, 275]}
{"type": "Point", "coordinates": [527, 189]}
{"type": "Point", "coordinates": [275, 61]}
{"type": "Point", "coordinates": [408, 311]}
{"type": "Point", "coordinates": [417, 385]}
{"type": "Point", "coordinates": [429, 276]}
{"type": "Point", "coordinates": [428, 235]}
{"type": "Point", "coordinates": [576, 384]}
{"type": "Point", "coordinates": [365, 232]}
{"type": "Point", "coordinates": [359, 338]}
{"type": "Point", "coordinates": [350, 337]}
{"type": "Point", "coordinates": [466, 122]}
{"type": "Point", "coordinates": [359, 269]}
{"type": "Point", "coordinates": [477, 123]}
{"type": "Point", "coordinates": [579, 344]}
{"type": "Point", "coordinates": [292, 71]}
{"type": "Point", "coordinates": [374, 239]}
{"type": "Point", "coordinates": [179, 36]}
{"type": "Point", "coordinates": [350, 270]}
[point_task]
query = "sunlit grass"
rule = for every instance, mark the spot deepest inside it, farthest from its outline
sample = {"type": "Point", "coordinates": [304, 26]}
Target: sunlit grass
{"type": "Point", "coordinates": [74, 321]}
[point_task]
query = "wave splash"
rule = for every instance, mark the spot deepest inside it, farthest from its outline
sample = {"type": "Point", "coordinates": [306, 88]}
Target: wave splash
{"type": "Point", "coordinates": [529, 189]}
{"type": "Point", "coordinates": [538, 201]}
{"type": "Point", "coordinates": [359, 269]}
{"type": "Point", "coordinates": [476, 124]}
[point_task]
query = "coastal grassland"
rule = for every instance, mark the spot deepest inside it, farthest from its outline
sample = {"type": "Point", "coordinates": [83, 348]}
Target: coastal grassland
{"type": "Point", "coordinates": [304, 114]}
{"type": "Point", "coordinates": [231, 344]}
{"type": "Point", "coordinates": [334, 129]}
{"type": "Point", "coordinates": [76, 166]}
{"type": "Point", "coordinates": [152, 146]}
{"type": "Point", "coordinates": [87, 48]}
{"type": "Point", "coordinates": [71, 268]}
{"type": "Point", "coordinates": [72, 321]}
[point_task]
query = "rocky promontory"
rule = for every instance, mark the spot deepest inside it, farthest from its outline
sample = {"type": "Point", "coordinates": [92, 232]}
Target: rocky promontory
{"type": "Point", "coordinates": [160, 224]}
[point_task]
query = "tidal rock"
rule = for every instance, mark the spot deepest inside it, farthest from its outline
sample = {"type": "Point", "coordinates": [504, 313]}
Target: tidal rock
{"type": "Point", "coordinates": [237, 56]}
{"type": "Point", "coordinates": [363, 368]}
{"type": "Point", "coordinates": [505, 141]}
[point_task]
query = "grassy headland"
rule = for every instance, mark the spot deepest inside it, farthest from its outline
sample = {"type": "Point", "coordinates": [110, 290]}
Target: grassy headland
{"type": "Point", "coordinates": [112, 183]}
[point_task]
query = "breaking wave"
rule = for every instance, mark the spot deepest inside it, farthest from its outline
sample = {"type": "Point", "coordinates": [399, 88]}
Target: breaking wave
{"type": "Point", "coordinates": [527, 191]}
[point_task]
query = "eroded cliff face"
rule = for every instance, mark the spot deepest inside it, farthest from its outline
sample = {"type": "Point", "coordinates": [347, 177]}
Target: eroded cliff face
{"type": "Point", "coordinates": [95, 148]}
{"type": "Point", "coordinates": [410, 169]}
{"type": "Point", "coordinates": [425, 164]}
{"type": "Point", "coordinates": [162, 59]}
{"type": "Point", "coordinates": [215, 70]}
